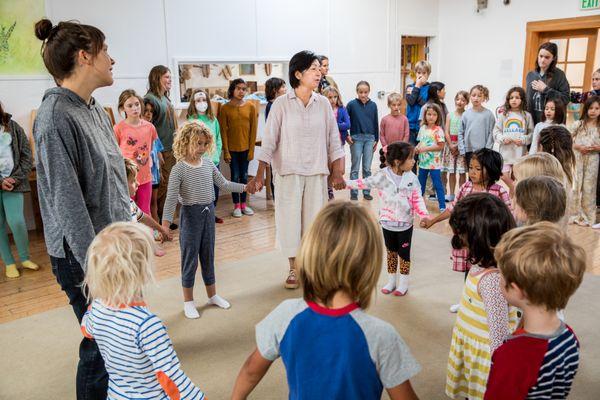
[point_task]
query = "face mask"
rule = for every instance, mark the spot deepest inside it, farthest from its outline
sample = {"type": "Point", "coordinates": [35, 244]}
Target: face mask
{"type": "Point", "coordinates": [201, 106]}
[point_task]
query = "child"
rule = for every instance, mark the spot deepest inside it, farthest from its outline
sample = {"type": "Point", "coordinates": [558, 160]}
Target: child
{"type": "Point", "coordinates": [512, 132]}
{"type": "Point", "coordinates": [137, 215]}
{"type": "Point", "coordinates": [453, 163]}
{"type": "Point", "coordinates": [274, 87]}
{"type": "Point", "coordinates": [485, 170]}
{"type": "Point", "coordinates": [540, 198]}
{"type": "Point", "coordinates": [436, 95]}
{"type": "Point", "coordinates": [135, 137]}
{"type": "Point", "coordinates": [586, 143]}
{"type": "Point", "coordinates": [540, 268]}
{"type": "Point", "coordinates": [431, 142]}
{"type": "Point", "coordinates": [394, 126]}
{"type": "Point", "coordinates": [539, 164]}
{"type": "Point", "coordinates": [416, 96]}
{"type": "Point", "coordinates": [330, 347]}
{"type": "Point", "coordinates": [339, 111]}
{"type": "Point", "coordinates": [364, 134]}
{"type": "Point", "coordinates": [191, 183]}
{"type": "Point", "coordinates": [200, 110]}
{"type": "Point", "coordinates": [401, 198]}
{"type": "Point", "coordinates": [477, 124]}
{"type": "Point", "coordinates": [15, 166]}
{"type": "Point", "coordinates": [484, 319]}
{"type": "Point", "coordinates": [554, 114]}
{"type": "Point", "coordinates": [157, 160]}
{"type": "Point", "coordinates": [238, 120]}
{"type": "Point", "coordinates": [134, 344]}
{"type": "Point", "coordinates": [557, 141]}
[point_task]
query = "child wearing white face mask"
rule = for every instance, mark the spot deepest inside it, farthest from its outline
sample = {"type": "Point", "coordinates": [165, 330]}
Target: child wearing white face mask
{"type": "Point", "coordinates": [200, 110]}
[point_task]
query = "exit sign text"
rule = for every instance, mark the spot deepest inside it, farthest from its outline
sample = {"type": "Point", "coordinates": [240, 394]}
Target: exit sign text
{"type": "Point", "coordinates": [589, 4]}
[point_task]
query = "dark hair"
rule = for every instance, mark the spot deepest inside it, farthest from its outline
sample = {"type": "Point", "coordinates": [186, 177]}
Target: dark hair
{"type": "Point", "coordinates": [432, 92]}
{"type": "Point", "coordinates": [522, 94]}
{"type": "Point", "coordinates": [552, 48]}
{"type": "Point", "coordinates": [586, 106]}
{"type": "Point", "coordinates": [361, 83]}
{"type": "Point", "coordinates": [232, 86]}
{"type": "Point", "coordinates": [61, 43]}
{"type": "Point", "coordinates": [154, 80]}
{"type": "Point", "coordinates": [560, 111]}
{"type": "Point", "coordinates": [322, 57]}
{"type": "Point", "coordinates": [434, 107]}
{"type": "Point", "coordinates": [272, 86]}
{"type": "Point", "coordinates": [300, 62]}
{"type": "Point", "coordinates": [491, 165]}
{"type": "Point", "coordinates": [4, 118]}
{"type": "Point", "coordinates": [557, 140]}
{"type": "Point", "coordinates": [478, 222]}
{"type": "Point", "coordinates": [399, 151]}
{"type": "Point", "coordinates": [462, 93]}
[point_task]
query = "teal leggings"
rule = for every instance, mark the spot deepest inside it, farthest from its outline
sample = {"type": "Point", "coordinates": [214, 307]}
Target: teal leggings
{"type": "Point", "coordinates": [11, 212]}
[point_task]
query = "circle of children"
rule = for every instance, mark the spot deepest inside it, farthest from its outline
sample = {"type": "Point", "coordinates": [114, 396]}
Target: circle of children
{"type": "Point", "coordinates": [534, 268]}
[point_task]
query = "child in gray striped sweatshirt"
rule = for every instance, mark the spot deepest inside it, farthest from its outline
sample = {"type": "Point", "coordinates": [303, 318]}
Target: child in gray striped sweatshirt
{"type": "Point", "coordinates": [191, 183]}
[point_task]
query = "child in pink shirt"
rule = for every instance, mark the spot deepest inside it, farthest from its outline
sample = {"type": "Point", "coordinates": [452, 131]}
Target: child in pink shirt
{"type": "Point", "coordinates": [394, 126]}
{"type": "Point", "coordinates": [135, 137]}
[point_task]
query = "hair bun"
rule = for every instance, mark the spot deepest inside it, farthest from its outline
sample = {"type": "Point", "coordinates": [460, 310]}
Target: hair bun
{"type": "Point", "coordinates": [43, 28]}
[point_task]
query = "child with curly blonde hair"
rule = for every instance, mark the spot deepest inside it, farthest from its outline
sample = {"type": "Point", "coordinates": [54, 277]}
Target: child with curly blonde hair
{"type": "Point", "coordinates": [191, 183]}
{"type": "Point", "coordinates": [119, 267]}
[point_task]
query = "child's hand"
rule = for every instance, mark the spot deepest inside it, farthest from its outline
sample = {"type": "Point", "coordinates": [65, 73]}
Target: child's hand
{"type": "Point", "coordinates": [426, 223]}
{"type": "Point", "coordinates": [6, 185]}
{"type": "Point", "coordinates": [417, 150]}
{"type": "Point", "coordinates": [507, 141]}
{"type": "Point", "coordinates": [349, 139]}
{"type": "Point", "coordinates": [166, 234]}
{"type": "Point", "coordinates": [374, 146]}
{"type": "Point", "coordinates": [518, 142]}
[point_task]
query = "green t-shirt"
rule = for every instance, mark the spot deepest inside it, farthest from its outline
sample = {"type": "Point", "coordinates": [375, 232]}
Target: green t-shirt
{"type": "Point", "coordinates": [163, 120]}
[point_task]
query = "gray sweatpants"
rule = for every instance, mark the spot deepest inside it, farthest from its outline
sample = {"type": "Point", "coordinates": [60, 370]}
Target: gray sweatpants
{"type": "Point", "coordinates": [197, 240]}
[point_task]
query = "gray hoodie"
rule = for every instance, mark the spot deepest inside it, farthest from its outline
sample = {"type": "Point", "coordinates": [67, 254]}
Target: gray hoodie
{"type": "Point", "coordinates": [82, 184]}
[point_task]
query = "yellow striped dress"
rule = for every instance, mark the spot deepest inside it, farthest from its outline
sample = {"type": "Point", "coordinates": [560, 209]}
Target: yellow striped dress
{"type": "Point", "coordinates": [470, 359]}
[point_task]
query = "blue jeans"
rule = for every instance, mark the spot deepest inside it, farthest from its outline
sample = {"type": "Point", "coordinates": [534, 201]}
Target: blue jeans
{"type": "Point", "coordinates": [436, 177]}
{"type": "Point", "coordinates": [361, 149]}
{"type": "Point", "coordinates": [239, 173]}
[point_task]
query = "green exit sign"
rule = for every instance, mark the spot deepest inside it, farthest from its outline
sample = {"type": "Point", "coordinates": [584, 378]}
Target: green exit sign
{"type": "Point", "coordinates": [589, 4]}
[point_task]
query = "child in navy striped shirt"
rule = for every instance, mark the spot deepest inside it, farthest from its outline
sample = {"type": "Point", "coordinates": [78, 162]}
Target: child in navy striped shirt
{"type": "Point", "coordinates": [137, 352]}
{"type": "Point", "coordinates": [540, 269]}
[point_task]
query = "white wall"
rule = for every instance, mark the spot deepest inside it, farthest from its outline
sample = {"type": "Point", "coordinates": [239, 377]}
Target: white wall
{"type": "Point", "coordinates": [489, 47]}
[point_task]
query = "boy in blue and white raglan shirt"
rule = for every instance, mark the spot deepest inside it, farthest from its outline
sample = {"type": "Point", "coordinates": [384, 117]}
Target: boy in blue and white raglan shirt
{"type": "Point", "coordinates": [330, 347]}
{"type": "Point", "coordinates": [416, 95]}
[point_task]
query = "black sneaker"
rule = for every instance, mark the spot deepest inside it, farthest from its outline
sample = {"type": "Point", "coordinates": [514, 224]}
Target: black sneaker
{"type": "Point", "coordinates": [432, 197]}
{"type": "Point", "coordinates": [353, 198]}
{"type": "Point", "coordinates": [368, 197]}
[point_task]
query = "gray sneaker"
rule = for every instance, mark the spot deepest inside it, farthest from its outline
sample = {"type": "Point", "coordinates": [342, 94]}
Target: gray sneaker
{"type": "Point", "coordinates": [247, 211]}
{"type": "Point", "coordinates": [237, 213]}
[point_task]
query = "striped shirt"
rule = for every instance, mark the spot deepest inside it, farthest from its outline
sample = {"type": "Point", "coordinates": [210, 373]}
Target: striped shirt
{"type": "Point", "coordinates": [138, 354]}
{"type": "Point", "coordinates": [529, 366]}
{"type": "Point", "coordinates": [191, 185]}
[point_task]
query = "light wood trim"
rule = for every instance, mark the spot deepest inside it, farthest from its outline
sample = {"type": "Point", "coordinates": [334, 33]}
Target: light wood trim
{"type": "Point", "coordinates": [589, 67]}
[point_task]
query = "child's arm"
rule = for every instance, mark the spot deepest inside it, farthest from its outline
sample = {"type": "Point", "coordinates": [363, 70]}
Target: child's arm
{"type": "Point", "coordinates": [403, 391]}
{"type": "Point", "coordinates": [447, 129]}
{"type": "Point", "coordinates": [375, 181]}
{"type": "Point", "coordinates": [496, 309]}
{"type": "Point", "coordinates": [175, 179]}
{"type": "Point", "coordinates": [253, 370]}
{"type": "Point", "coordinates": [413, 96]}
{"type": "Point", "coordinates": [490, 137]}
{"type": "Point", "coordinates": [509, 379]}
{"type": "Point", "coordinates": [224, 184]}
{"type": "Point", "coordinates": [151, 223]}
{"type": "Point", "coordinates": [461, 136]}
{"type": "Point", "coordinates": [498, 132]}
{"type": "Point", "coordinates": [417, 202]}
{"type": "Point", "coordinates": [376, 125]}
{"type": "Point", "coordinates": [406, 133]}
{"type": "Point", "coordinates": [253, 128]}
{"type": "Point", "coordinates": [382, 133]}
{"type": "Point", "coordinates": [345, 124]}
{"type": "Point", "coordinates": [222, 117]}
{"type": "Point", "coordinates": [526, 138]}
{"type": "Point", "coordinates": [428, 223]}
{"type": "Point", "coordinates": [21, 171]}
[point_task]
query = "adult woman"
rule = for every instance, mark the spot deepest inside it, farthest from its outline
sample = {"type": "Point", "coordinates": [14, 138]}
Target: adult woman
{"type": "Point", "coordinates": [326, 80]}
{"type": "Point", "coordinates": [545, 82]}
{"type": "Point", "coordinates": [239, 121]}
{"type": "Point", "coordinates": [301, 140]}
{"type": "Point", "coordinates": [159, 85]}
{"type": "Point", "coordinates": [81, 175]}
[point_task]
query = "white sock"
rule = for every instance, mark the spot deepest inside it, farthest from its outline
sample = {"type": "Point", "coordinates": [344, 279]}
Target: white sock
{"type": "Point", "coordinates": [218, 301]}
{"type": "Point", "coordinates": [189, 309]}
{"type": "Point", "coordinates": [391, 285]}
{"type": "Point", "coordinates": [402, 283]}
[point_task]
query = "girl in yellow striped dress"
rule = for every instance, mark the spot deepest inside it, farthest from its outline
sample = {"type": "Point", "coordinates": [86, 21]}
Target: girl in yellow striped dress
{"type": "Point", "coordinates": [484, 319]}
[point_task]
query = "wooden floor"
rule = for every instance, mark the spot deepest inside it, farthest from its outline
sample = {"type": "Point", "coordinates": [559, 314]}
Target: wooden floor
{"type": "Point", "coordinates": [37, 291]}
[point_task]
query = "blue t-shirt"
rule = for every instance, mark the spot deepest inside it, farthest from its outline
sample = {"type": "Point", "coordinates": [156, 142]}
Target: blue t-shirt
{"type": "Point", "coordinates": [334, 354]}
{"type": "Point", "coordinates": [157, 147]}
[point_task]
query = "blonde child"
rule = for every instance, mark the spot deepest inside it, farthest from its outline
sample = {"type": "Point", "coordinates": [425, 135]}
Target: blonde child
{"type": "Point", "coordinates": [191, 183]}
{"type": "Point", "coordinates": [484, 319]}
{"type": "Point", "coordinates": [394, 127]}
{"type": "Point", "coordinates": [401, 199]}
{"type": "Point", "coordinates": [539, 164]}
{"type": "Point", "coordinates": [586, 143]}
{"type": "Point", "coordinates": [540, 268]}
{"type": "Point", "coordinates": [512, 132]}
{"type": "Point", "coordinates": [201, 110]}
{"type": "Point", "coordinates": [431, 143]}
{"type": "Point", "coordinates": [134, 344]}
{"type": "Point", "coordinates": [339, 111]}
{"type": "Point", "coordinates": [477, 124]}
{"type": "Point", "coordinates": [364, 135]}
{"type": "Point", "coordinates": [358, 355]}
{"type": "Point", "coordinates": [453, 163]}
{"type": "Point", "coordinates": [540, 198]}
{"type": "Point", "coordinates": [485, 169]}
{"type": "Point", "coordinates": [135, 137]}
{"type": "Point", "coordinates": [554, 114]}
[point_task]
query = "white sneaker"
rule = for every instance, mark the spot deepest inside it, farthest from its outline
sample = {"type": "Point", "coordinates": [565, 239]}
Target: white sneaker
{"type": "Point", "coordinates": [247, 211]}
{"type": "Point", "coordinates": [454, 308]}
{"type": "Point", "coordinates": [189, 309]}
{"type": "Point", "coordinates": [401, 285]}
{"type": "Point", "coordinates": [596, 226]}
{"type": "Point", "coordinates": [237, 213]}
{"type": "Point", "coordinates": [218, 301]}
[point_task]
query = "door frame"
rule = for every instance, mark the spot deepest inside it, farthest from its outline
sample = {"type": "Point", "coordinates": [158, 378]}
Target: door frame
{"type": "Point", "coordinates": [536, 30]}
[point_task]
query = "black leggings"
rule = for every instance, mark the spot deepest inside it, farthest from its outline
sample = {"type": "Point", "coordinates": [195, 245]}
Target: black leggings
{"type": "Point", "coordinates": [398, 245]}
